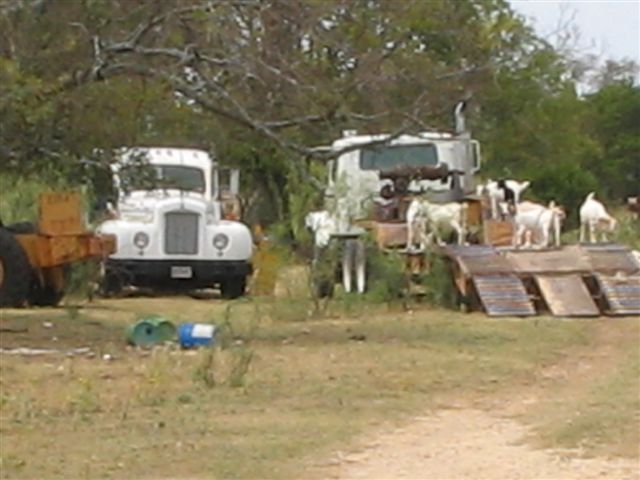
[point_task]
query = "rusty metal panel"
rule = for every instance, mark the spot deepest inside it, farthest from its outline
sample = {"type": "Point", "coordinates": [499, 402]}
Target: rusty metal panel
{"type": "Point", "coordinates": [611, 258]}
{"type": "Point", "coordinates": [566, 295]}
{"type": "Point", "coordinates": [61, 213]}
{"type": "Point", "coordinates": [49, 251]}
{"type": "Point", "coordinates": [478, 259]}
{"type": "Point", "coordinates": [621, 292]}
{"type": "Point", "coordinates": [503, 295]}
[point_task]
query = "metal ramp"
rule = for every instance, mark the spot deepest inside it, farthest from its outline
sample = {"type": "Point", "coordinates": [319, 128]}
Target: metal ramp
{"type": "Point", "coordinates": [621, 292]}
{"type": "Point", "coordinates": [503, 295]}
{"type": "Point", "coordinates": [566, 295]}
{"type": "Point", "coordinates": [574, 280]}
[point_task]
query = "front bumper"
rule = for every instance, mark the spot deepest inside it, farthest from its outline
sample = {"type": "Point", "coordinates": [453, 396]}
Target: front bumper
{"type": "Point", "coordinates": [177, 273]}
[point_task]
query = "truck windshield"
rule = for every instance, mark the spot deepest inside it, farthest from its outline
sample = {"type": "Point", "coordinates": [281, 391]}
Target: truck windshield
{"type": "Point", "coordinates": [151, 177]}
{"type": "Point", "coordinates": [390, 157]}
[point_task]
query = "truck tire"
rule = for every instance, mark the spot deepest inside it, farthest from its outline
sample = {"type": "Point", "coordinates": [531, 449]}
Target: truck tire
{"type": "Point", "coordinates": [233, 287]}
{"type": "Point", "coordinates": [15, 271]}
{"type": "Point", "coordinates": [22, 228]}
{"type": "Point", "coordinates": [44, 295]}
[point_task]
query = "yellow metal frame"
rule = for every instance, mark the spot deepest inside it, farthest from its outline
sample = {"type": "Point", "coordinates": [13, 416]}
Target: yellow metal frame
{"type": "Point", "coordinates": [62, 238]}
{"type": "Point", "coordinates": [46, 251]}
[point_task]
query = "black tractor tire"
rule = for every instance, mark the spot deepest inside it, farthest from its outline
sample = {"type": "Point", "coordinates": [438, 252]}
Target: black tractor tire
{"type": "Point", "coordinates": [22, 228]}
{"type": "Point", "coordinates": [44, 295]}
{"type": "Point", "coordinates": [15, 271]}
{"type": "Point", "coordinates": [233, 287]}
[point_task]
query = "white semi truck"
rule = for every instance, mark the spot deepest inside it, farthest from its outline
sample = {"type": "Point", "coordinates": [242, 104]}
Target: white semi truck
{"type": "Point", "coordinates": [440, 166]}
{"type": "Point", "coordinates": [170, 226]}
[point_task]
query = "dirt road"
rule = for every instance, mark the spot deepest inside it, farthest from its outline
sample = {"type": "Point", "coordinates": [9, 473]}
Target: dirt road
{"type": "Point", "coordinates": [467, 444]}
{"type": "Point", "coordinates": [481, 438]}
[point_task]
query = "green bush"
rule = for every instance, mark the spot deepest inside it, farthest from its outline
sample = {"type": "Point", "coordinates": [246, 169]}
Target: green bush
{"type": "Point", "coordinates": [388, 278]}
{"type": "Point", "coordinates": [438, 284]}
{"type": "Point", "coordinates": [19, 199]}
{"type": "Point", "coordinates": [628, 232]}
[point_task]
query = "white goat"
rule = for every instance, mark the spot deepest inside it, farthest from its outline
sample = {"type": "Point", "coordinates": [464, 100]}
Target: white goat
{"type": "Point", "coordinates": [323, 225]}
{"type": "Point", "coordinates": [423, 215]}
{"type": "Point", "coordinates": [537, 221]}
{"type": "Point", "coordinates": [502, 191]}
{"type": "Point", "coordinates": [594, 216]}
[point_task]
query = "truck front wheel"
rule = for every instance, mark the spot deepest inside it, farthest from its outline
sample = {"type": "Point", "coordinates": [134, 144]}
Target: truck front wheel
{"type": "Point", "coordinates": [15, 271]}
{"type": "Point", "coordinates": [233, 287]}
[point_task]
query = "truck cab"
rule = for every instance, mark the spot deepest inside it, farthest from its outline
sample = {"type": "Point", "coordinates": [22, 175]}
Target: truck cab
{"type": "Point", "coordinates": [170, 224]}
{"type": "Point", "coordinates": [358, 175]}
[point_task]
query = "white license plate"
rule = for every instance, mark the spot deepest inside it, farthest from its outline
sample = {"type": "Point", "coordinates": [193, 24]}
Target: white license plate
{"type": "Point", "coordinates": [181, 272]}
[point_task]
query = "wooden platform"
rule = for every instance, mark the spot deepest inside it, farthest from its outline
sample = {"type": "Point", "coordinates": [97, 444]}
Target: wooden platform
{"type": "Point", "coordinates": [575, 280]}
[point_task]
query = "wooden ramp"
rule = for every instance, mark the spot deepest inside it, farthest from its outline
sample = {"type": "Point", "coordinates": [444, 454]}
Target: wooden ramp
{"type": "Point", "coordinates": [574, 280]}
{"type": "Point", "coordinates": [566, 295]}
{"type": "Point", "coordinates": [621, 292]}
{"type": "Point", "coordinates": [503, 295]}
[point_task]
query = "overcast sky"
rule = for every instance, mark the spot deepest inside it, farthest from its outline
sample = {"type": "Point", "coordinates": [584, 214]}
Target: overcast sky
{"type": "Point", "coordinates": [609, 28]}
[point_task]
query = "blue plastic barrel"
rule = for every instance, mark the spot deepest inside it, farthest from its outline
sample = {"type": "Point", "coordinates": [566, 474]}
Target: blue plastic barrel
{"type": "Point", "coordinates": [192, 335]}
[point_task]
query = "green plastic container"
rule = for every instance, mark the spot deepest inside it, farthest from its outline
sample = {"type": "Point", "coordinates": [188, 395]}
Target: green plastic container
{"type": "Point", "coordinates": [150, 330]}
{"type": "Point", "coordinates": [166, 330]}
{"type": "Point", "coordinates": [142, 334]}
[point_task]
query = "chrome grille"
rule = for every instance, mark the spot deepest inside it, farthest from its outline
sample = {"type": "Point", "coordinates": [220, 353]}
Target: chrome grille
{"type": "Point", "coordinates": [181, 233]}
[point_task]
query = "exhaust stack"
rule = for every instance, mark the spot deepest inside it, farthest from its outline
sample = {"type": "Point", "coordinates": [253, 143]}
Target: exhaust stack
{"type": "Point", "coordinates": [459, 118]}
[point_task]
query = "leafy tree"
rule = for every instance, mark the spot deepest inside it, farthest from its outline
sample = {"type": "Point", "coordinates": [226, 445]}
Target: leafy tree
{"type": "Point", "coordinates": [613, 121]}
{"type": "Point", "coordinates": [264, 82]}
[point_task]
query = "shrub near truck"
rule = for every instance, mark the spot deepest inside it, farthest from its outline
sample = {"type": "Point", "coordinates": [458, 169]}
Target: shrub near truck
{"type": "Point", "coordinates": [170, 227]}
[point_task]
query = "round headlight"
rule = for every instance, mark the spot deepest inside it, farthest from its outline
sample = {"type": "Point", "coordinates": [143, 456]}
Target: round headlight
{"type": "Point", "coordinates": [220, 241]}
{"type": "Point", "coordinates": [141, 240]}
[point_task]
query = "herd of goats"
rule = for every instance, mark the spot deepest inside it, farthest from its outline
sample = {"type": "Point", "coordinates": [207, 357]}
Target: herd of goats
{"type": "Point", "coordinates": [533, 225]}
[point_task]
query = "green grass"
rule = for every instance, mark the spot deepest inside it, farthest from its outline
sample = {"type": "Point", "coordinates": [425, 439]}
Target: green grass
{"type": "Point", "coordinates": [604, 419]}
{"type": "Point", "coordinates": [312, 386]}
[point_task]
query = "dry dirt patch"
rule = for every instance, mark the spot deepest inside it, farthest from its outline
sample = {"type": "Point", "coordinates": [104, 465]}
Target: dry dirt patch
{"type": "Point", "coordinates": [499, 436]}
{"type": "Point", "coordinates": [466, 444]}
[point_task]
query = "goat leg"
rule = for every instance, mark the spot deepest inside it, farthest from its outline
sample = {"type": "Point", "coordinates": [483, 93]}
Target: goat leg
{"type": "Point", "coordinates": [593, 238]}
{"type": "Point", "coordinates": [361, 262]}
{"type": "Point", "coordinates": [347, 262]}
